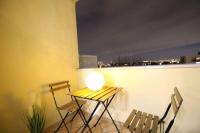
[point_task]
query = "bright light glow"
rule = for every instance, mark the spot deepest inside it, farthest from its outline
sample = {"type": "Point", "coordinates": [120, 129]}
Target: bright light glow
{"type": "Point", "coordinates": [95, 81]}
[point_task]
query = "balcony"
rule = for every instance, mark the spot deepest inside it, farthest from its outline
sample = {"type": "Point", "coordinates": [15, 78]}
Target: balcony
{"type": "Point", "coordinates": [39, 46]}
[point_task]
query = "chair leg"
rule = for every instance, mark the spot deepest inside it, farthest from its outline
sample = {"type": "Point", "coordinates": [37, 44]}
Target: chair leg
{"type": "Point", "coordinates": [81, 117]}
{"type": "Point", "coordinates": [65, 123]}
{"type": "Point", "coordinates": [62, 122]}
{"type": "Point", "coordinates": [162, 129]}
{"type": "Point", "coordinates": [74, 115]}
{"type": "Point", "coordinates": [78, 112]}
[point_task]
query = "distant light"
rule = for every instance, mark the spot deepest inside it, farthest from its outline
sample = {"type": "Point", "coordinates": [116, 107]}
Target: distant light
{"type": "Point", "coordinates": [95, 81]}
{"type": "Point", "coordinates": [197, 62]}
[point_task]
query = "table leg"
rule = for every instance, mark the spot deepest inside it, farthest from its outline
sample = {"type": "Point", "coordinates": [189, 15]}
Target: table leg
{"type": "Point", "coordinates": [90, 118]}
{"type": "Point", "coordinates": [111, 118]}
{"type": "Point", "coordinates": [107, 104]}
{"type": "Point", "coordinates": [106, 109]}
{"type": "Point", "coordinates": [85, 120]}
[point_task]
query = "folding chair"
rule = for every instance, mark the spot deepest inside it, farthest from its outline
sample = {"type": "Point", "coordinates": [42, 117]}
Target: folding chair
{"type": "Point", "coordinates": [141, 122]}
{"type": "Point", "coordinates": [69, 107]}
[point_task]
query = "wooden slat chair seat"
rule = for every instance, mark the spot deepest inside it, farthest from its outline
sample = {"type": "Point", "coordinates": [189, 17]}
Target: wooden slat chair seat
{"type": "Point", "coordinates": [69, 107]}
{"type": "Point", "coordinates": [141, 122]}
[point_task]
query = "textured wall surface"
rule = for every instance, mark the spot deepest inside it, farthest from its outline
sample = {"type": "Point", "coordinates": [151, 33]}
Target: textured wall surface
{"type": "Point", "coordinates": [38, 43]}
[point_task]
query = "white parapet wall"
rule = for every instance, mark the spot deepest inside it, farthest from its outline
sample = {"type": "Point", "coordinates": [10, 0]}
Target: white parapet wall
{"type": "Point", "coordinates": [149, 89]}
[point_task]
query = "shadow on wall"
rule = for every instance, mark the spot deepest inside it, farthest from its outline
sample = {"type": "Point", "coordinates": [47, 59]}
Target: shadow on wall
{"type": "Point", "coordinates": [12, 109]}
{"type": "Point", "coordinates": [45, 90]}
{"type": "Point", "coordinates": [119, 103]}
{"type": "Point", "coordinates": [47, 101]}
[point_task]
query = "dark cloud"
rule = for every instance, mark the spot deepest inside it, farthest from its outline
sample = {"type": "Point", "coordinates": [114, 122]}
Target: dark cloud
{"type": "Point", "coordinates": [110, 28]}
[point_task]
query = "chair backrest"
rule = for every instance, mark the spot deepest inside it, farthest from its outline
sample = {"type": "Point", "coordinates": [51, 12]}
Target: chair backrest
{"type": "Point", "coordinates": [55, 87]}
{"type": "Point", "coordinates": [176, 101]}
{"type": "Point", "coordinates": [59, 86]}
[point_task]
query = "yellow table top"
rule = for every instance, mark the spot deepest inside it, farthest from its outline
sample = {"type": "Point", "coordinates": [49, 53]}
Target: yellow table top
{"type": "Point", "coordinates": [99, 95]}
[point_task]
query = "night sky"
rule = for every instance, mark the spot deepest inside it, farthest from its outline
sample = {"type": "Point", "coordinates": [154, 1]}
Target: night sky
{"type": "Point", "coordinates": [141, 28]}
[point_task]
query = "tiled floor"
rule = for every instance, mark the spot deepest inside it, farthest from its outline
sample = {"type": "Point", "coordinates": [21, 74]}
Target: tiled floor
{"type": "Point", "coordinates": [105, 126]}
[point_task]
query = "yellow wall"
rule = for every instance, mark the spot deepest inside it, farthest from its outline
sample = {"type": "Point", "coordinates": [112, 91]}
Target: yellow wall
{"type": "Point", "coordinates": [149, 89]}
{"type": "Point", "coordinates": [38, 45]}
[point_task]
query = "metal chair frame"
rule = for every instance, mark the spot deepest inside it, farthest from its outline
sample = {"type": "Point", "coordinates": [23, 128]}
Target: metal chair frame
{"type": "Point", "coordinates": [175, 110]}
{"type": "Point", "coordinates": [60, 86]}
{"type": "Point", "coordinates": [136, 119]}
{"type": "Point", "coordinates": [173, 103]}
